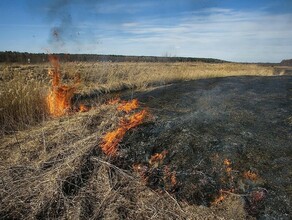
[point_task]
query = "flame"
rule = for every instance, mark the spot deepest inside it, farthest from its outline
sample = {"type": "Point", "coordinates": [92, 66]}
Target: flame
{"type": "Point", "coordinates": [134, 120]}
{"type": "Point", "coordinates": [125, 106]}
{"type": "Point", "coordinates": [222, 193]}
{"type": "Point", "coordinates": [170, 175]}
{"type": "Point", "coordinates": [83, 108]}
{"type": "Point", "coordinates": [59, 98]}
{"type": "Point", "coordinates": [148, 173]}
{"type": "Point", "coordinates": [111, 140]}
{"type": "Point", "coordinates": [220, 198]}
{"type": "Point", "coordinates": [128, 106]}
{"type": "Point", "coordinates": [250, 175]}
{"type": "Point", "coordinates": [173, 179]}
{"type": "Point", "coordinates": [256, 196]}
{"type": "Point", "coordinates": [228, 169]}
{"type": "Point", "coordinates": [227, 162]}
{"type": "Point", "coordinates": [157, 158]}
{"type": "Point", "coordinates": [114, 101]}
{"type": "Point", "coordinates": [55, 72]}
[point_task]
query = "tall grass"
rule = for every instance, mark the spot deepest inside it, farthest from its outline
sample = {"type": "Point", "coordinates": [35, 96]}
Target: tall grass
{"type": "Point", "coordinates": [22, 103]}
{"type": "Point", "coordinates": [23, 87]}
{"type": "Point", "coordinates": [116, 76]}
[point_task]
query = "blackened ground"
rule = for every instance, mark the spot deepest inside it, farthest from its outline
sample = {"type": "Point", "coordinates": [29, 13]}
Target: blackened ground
{"type": "Point", "coordinates": [246, 120]}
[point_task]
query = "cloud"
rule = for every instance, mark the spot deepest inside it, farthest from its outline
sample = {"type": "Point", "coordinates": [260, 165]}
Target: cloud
{"type": "Point", "coordinates": [130, 24]}
{"type": "Point", "coordinates": [199, 31]}
{"type": "Point", "coordinates": [214, 32]}
{"type": "Point", "coordinates": [120, 7]}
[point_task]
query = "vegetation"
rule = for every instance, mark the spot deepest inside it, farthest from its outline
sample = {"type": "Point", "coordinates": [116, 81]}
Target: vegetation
{"type": "Point", "coordinates": [22, 100]}
{"type": "Point", "coordinates": [24, 87]}
{"type": "Point", "coordinates": [109, 77]}
{"type": "Point", "coordinates": [17, 57]}
{"type": "Point", "coordinates": [286, 62]}
{"type": "Point", "coordinates": [56, 170]}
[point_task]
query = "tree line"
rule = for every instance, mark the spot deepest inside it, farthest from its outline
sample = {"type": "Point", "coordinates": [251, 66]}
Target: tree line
{"type": "Point", "coordinates": [23, 57]}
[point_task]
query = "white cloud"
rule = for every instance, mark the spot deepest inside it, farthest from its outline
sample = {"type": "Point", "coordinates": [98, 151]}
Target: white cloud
{"type": "Point", "coordinates": [219, 33]}
{"type": "Point", "coordinates": [130, 24]}
{"type": "Point", "coordinates": [106, 8]}
{"type": "Point", "coordinates": [252, 36]}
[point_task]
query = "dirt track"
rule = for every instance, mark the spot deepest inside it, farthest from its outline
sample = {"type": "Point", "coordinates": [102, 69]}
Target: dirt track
{"type": "Point", "coordinates": [244, 119]}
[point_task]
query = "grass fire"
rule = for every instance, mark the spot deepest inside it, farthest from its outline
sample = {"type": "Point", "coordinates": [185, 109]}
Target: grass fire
{"type": "Point", "coordinates": [112, 139]}
{"type": "Point", "coordinates": [59, 99]}
{"type": "Point", "coordinates": [136, 140]}
{"type": "Point", "coordinates": [145, 110]}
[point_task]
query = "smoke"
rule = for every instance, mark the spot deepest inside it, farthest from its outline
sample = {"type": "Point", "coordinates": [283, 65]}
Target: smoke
{"type": "Point", "coordinates": [59, 14]}
{"type": "Point", "coordinates": [64, 31]}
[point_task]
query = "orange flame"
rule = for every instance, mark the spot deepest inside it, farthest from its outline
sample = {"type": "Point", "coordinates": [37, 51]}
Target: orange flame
{"type": "Point", "coordinates": [83, 108]}
{"type": "Point", "coordinates": [128, 106]}
{"type": "Point", "coordinates": [157, 158]}
{"type": "Point", "coordinates": [219, 199]}
{"type": "Point", "coordinates": [59, 99]}
{"type": "Point", "coordinates": [228, 170]}
{"type": "Point", "coordinates": [114, 101]}
{"type": "Point", "coordinates": [250, 175]}
{"type": "Point", "coordinates": [111, 140]}
{"type": "Point", "coordinates": [134, 120]}
{"type": "Point", "coordinates": [247, 175]}
{"type": "Point", "coordinates": [173, 179]}
{"type": "Point", "coordinates": [227, 162]}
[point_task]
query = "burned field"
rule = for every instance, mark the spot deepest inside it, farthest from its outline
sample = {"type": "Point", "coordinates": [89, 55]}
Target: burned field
{"type": "Point", "coordinates": [207, 148]}
{"type": "Point", "coordinates": [223, 136]}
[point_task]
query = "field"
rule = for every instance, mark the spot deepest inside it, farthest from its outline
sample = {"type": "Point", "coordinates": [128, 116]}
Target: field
{"type": "Point", "coordinates": [215, 142]}
{"type": "Point", "coordinates": [24, 87]}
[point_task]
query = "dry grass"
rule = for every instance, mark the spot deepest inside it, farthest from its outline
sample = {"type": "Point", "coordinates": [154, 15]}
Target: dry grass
{"type": "Point", "coordinates": [107, 77]}
{"type": "Point", "coordinates": [22, 103]}
{"type": "Point", "coordinates": [57, 171]}
{"type": "Point", "coordinates": [23, 87]}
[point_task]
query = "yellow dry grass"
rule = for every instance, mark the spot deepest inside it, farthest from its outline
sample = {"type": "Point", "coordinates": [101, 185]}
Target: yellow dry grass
{"type": "Point", "coordinates": [109, 77]}
{"type": "Point", "coordinates": [56, 171]}
{"type": "Point", "coordinates": [23, 87]}
{"type": "Point", "coordinates": [22, 101]}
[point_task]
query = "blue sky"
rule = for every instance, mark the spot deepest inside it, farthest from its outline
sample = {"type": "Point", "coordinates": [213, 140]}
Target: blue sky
{"type": "Point", "coordinates": [235, 30]}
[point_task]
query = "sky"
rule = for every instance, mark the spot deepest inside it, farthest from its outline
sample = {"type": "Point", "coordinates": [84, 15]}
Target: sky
{"type": "Point", "coordinates": [233, 30]}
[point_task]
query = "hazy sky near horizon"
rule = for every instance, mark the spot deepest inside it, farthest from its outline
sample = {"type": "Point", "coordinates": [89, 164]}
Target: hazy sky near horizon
{"type": "Point", "coordinates": [234, 30]}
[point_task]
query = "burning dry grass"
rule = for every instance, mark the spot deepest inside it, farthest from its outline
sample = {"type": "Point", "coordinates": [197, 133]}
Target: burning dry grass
{"type": "Point", "coordinates": [23, 87]}
{"type": "Point", "coordinates": [112, 139]}
{"type": "Point", "coordinates": [58, 171]}
{"type": "Point", "coordinates": [60, 96]}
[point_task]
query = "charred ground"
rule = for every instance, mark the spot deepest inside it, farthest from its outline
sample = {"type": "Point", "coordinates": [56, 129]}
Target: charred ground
{"type": "Point", "coordinates": [201, 123]}
{"type": "Point", "coordinates": [214, 131]}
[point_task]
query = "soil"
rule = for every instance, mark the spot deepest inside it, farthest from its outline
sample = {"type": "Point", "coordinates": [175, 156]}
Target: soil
{"type": "Point", "coordinates": [244, 120]}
